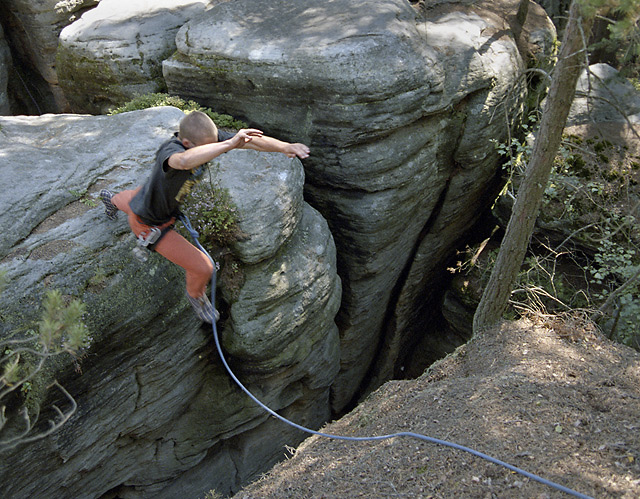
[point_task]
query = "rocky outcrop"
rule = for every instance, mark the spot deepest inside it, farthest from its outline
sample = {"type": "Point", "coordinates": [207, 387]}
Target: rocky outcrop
{"type": "Point", "coordinates": [33, 28]}
{"type": "Point", "coordinates": [157, 414]}
{"type": "Point", "coordinates": [402, 157]}
{"type": "Point", "coordinates": [115, 51]}
{"type": "Point", "coordinates": [5, 64]}
{"type": "Point", "coordinates": [603, 95]}
{"type": "Point", "coordinates": [400, 110]}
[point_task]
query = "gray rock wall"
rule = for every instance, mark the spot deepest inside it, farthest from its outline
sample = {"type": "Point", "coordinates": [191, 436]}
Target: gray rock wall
{"type": "Point", "coordinates": [114, 52]}
{"type": "Point", "coordinates": [399, 111]}
{"type": "Point", "coordinates": [157, 414]}
{"type": "Point", "coordinates": [603, 95]}
{"type": "Point", "coordinates": [34, 27]}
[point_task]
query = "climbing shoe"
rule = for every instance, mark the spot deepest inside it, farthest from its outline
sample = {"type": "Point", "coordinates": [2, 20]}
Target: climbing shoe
{"type": "Point", "coordinates": [110, 209]}
{"type": "Point", "coordinates": [203, 308]}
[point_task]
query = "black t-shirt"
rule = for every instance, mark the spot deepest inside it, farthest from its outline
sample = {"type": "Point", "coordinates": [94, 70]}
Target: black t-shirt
{"type": "Point", "coordinates": [160, 197]}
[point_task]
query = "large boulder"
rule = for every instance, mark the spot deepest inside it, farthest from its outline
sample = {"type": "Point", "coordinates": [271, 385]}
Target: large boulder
{"type": "Point", "coordinates": [604, 95]}
{"type": "Point", "coordinates": [5, 64]}
{"type": "Point", "coordinates": [400, 111]}
{"type": "Point", "coordinates": [115, 51]}
{"type": "Point", "coordinates": [33, 28]}
{"type": "Point", "coordinates": [157, 415]}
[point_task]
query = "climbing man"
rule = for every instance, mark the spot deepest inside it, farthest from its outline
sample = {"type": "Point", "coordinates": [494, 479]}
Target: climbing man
{"type": "Point", "coordinates": [152, 209]}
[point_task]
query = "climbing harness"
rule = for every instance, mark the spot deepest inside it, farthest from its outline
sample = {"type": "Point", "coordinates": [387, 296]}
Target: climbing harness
{"type": "Point", "coordinates": [195, 236]}
{"type": "Point", "coordinates": [151, 237]}
{"type": "Point", "coordinates": [148, 240]}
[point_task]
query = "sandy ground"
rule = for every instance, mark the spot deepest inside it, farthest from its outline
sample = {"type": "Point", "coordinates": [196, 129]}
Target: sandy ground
{"type": "Point", "coordinates": [553, 398]}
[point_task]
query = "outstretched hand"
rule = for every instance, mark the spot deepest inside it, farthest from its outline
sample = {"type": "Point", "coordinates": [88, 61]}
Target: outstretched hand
{"type": "Point", "coordinates": [297, 149]}
{"type": "Point", "coordinates": [246, 135]}
{"type": "Point", "coordinates": [244, 138]}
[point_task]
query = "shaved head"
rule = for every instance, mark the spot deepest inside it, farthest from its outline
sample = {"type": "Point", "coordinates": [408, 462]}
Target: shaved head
{"type": "Point", "coordinates": [198, 128]}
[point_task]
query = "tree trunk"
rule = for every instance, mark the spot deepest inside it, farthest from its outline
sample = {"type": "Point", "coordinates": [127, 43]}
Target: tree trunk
{"type": "Point", "coordinates": [525, 210]}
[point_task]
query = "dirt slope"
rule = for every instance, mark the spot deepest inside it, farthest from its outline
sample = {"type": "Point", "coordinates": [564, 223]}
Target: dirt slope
{"type": "Point", "coordinates": [555, 399]}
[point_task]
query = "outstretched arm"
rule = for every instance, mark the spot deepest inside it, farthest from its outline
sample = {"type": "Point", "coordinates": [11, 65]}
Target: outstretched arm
{"type": "Point", "coordinates": [265, 143]}
{"type": "Point", "coordinates": [197, 155]}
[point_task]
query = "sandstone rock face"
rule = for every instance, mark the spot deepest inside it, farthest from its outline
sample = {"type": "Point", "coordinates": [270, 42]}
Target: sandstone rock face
{"type": "Point", "coordinates": [114, 52]}
{"type": "Point", "coordinates": [158, 416]}
{"type": "Point", "coordinates": [34, 27]}
{"type": "Point", "coordinates": [5, 64]}
{"type": "Point", "coordinates": [399, 110]}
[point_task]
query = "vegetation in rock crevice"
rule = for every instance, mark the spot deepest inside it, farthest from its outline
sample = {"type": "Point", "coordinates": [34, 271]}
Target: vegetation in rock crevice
{"type": "Point", "coordinates": [28, 363]}
{"type": "Point", "coordinates": [162, 99]}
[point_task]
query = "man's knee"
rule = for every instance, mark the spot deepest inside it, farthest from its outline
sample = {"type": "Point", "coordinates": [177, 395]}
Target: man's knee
{"type": "Point", "coordinates": [122, 199]}
{"type": "Point", "coordinates": [207, 268]}
{"type": "Point", "coordinates": [203, 269]}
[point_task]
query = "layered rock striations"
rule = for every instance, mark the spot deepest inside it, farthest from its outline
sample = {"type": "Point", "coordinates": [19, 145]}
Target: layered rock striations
{"type": "Point", "coordinates": [158, 416]}
{"type": "Point", "coordinates": [401, 111]}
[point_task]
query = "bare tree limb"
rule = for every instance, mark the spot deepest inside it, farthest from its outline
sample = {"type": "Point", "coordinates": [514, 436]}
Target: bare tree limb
{"type": "Point", "coordinates": [54, 424]}
{"type": "Point", "coordinates": [31, 351]}
{"type": "Point", "coordinates": [606, 306]}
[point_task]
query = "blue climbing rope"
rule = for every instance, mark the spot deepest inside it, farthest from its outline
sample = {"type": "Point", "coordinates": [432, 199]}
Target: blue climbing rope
{"type": "Point", "coordinates": [185, 221]}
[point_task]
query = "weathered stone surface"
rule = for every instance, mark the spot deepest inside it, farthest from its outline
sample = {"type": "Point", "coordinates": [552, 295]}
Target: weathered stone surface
{"type": "Point", "coordinates": [158, 416]}
{"type": "Point", "coordinates": [399, 110]}
{"type": "Point", "coordinates": [114, 52]}
{"type": "Point", "coordinates": [34, 27]}
{"type": "Point", "coordinates": [603, 95]}
{"type": "Point", "coordinates": [281, 298]}
{"type": "Point", "coordinates": [5, 63]}
{"type": "Point", "coordinates": [273, 209]}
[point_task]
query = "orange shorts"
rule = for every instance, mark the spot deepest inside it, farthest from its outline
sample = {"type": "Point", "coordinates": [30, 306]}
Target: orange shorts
{"type": "Point", "coordinates": [172, 246]}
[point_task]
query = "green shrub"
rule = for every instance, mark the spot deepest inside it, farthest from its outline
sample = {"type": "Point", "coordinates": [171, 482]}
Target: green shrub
{"type": "Point", "coordinates": [214, 216]}
{"type": "Point", "coordinates": [61, 327]}
{"type": "Point", "coordinates": [24, 374]}
{"type": "Point", "coordinates": [160, 99]}
{"type": "Point", "coordinates": [589, 202]}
